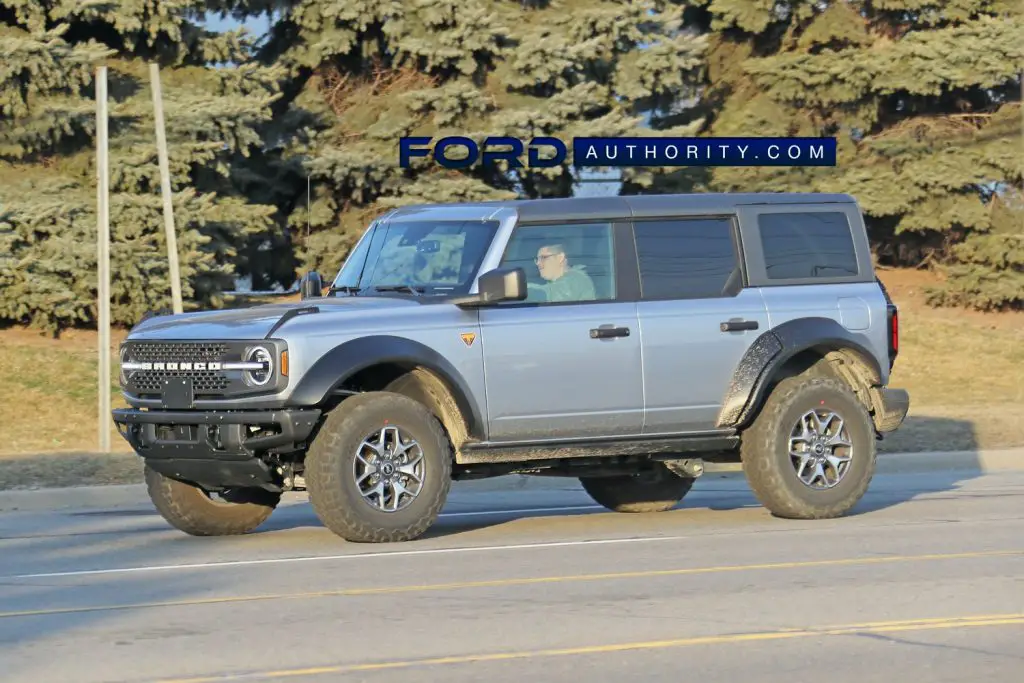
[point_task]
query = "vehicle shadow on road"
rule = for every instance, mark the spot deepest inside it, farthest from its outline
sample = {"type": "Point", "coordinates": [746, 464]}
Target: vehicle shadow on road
{"type": "Point", "coordinates": [907, 466]}
{"type": "Point", "coordinates": [906, 470]}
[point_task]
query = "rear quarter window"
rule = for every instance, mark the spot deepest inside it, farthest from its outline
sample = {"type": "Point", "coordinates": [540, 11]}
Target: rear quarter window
{"type": "Point", "coordinates": [813, 245]}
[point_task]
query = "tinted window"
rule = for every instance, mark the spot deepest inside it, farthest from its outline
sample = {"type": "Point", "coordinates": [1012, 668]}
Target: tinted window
{"type": "Point", "coordinates": [564, 263]}
{"type": "Point", "coordinates": [688, 259]}
{"type": "Point", "coordinates": [807, 245]}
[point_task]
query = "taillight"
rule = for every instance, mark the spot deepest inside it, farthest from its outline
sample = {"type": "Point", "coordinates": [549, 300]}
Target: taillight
{"type": "Point", "coordinates": [894, 333]}
{"type": "Point", "coordinates": [892, 322]}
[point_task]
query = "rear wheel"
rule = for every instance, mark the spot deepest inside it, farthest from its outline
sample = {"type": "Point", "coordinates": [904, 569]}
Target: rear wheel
{"type": "Point", "coordinates": [810, 453]}
{"type": "Point", "coordinates": [195, 511]}
{"type": "Point", "coordinates": [379, 471]}
{"type": "Point", "coordinates": [654, 490]}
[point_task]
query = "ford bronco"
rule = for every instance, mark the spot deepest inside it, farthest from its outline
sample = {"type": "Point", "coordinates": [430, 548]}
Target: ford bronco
{"type": "Point", "coordinates": [625, 341]}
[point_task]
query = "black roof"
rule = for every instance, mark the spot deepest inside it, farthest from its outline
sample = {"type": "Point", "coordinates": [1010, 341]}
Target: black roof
{"type": "Point", "coordinates": [572, 208]}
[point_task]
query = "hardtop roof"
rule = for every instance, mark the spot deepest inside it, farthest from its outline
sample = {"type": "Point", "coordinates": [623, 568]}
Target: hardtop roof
{"type": "Point", "coordinates": [610, 208]}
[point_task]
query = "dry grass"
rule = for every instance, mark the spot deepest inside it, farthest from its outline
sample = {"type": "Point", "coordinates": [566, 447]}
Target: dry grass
{"type": "Point", "coordinates": [954, 358]}
{"type": "Point", "coordinates": [964, 370]}
{"type": "Point", "coordinates": [48, 392]}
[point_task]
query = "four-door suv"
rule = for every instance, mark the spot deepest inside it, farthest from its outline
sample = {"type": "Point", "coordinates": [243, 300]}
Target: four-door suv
{"type": "Point", "coordinates": [625, 341]}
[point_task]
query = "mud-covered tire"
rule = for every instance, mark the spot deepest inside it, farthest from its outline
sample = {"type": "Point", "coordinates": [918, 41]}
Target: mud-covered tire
{"type": "Point", "coordinates": [331, 478]}
{"type": "Point", "coordinates": [657, 490]}
{"type": "Point", "coordinates": [765, 450]}
{"type": "Point", "coordinates": [190, 509]}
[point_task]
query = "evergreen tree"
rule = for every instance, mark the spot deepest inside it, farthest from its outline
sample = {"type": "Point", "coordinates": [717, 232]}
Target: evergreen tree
{"type": "Point", "coordinates": [923, 97]}
{"type": "Point", "coordinates": [366, 72]}
{"type": "Point", "coordinates": [214, 99]}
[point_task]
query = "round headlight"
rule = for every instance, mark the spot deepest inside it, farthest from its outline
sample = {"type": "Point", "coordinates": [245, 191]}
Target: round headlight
{"type": "Point", "coordinates": [259, 354]}
{"type": "Point", "coordinates": [123, 356]}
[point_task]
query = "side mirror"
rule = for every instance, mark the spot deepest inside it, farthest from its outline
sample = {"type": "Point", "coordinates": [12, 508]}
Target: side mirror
{"type": "Point", "coordinates": [311, 286]}
{"type": "Point", "coordinates": [500, 284]}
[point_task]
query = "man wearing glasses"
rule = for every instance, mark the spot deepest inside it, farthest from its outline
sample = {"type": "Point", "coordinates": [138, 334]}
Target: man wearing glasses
{"type": "Point", "coordinates": [564, 283]}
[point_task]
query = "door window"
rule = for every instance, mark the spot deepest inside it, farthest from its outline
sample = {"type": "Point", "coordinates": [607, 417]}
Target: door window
{"type": "Point", "coordinates": [564, 263]}
{"type": "Point", "coordinates": [693, 258]}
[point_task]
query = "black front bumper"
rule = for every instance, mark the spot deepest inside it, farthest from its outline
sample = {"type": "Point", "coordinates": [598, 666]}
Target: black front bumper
{"type": "Point", "coordinates": [215, 448]}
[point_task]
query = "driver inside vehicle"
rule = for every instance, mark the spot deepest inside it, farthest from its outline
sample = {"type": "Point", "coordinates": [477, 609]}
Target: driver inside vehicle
{"type": "Point", "coordinates": [564, 282]}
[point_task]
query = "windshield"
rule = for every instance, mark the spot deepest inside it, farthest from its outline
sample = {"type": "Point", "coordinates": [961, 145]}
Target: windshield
{"type": "Point", "coordinates": [431, 257]}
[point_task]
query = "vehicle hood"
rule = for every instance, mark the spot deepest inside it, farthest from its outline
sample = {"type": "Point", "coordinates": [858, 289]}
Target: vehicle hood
{"type": "Point", "coordinates": [255, 322]}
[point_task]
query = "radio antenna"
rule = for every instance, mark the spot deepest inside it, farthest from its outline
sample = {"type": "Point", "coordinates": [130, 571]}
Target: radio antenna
{"type": "Point", "coordinates": [309, 209]}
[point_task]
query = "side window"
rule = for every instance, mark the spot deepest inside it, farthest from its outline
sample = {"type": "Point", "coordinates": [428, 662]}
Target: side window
{"type": "Point", "coordinates": [687, 258]}
{"type": "Point", "coordinates": [812, 245]}
{"type": "Point", "coordinates": [565, 262]}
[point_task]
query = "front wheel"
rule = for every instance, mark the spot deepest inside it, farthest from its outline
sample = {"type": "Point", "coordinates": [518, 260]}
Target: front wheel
{"type": "Point", "coordinates": [191, 509]}
{"type": "Point", "coordinates": [810, 453]}
{"type": "Point", "coordinates": [656, 490]}
{"type": "Point", "coordinates": [379, 471]}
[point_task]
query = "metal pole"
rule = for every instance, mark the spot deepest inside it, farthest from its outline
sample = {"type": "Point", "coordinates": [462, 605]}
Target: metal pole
{"type": "Point", "coordinates": [103, 256]}
{"type": "Point", "coordinates": [165, 189]}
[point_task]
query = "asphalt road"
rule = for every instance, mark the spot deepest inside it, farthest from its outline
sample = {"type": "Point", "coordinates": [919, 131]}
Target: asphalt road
{"type": "Point", "coordinates": [924, 583]}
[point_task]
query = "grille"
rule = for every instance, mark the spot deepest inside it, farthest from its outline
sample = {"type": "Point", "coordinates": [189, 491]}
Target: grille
{"type": "Point", "coordinates": [204, 381]}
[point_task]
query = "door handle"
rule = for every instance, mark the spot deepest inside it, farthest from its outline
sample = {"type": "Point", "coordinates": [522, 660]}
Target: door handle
{"type": "Point", "coordinates": [737, 325]}
{"type": "Point", "coordinates": [609, 332]}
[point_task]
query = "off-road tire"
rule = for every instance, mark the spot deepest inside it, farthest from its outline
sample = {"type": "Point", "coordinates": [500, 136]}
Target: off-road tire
{"type": "Point", "coordinates": [655, 491]}
{"type": "Point", "coordinates": [188, 508]}
{"type": "Point", "coordinates": [764, 449]}
{"type": "Point", "coordinates": [333, 492]}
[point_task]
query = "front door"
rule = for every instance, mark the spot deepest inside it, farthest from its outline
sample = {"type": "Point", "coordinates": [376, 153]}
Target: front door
{"type": "Point", "coordinates": [565, 363]}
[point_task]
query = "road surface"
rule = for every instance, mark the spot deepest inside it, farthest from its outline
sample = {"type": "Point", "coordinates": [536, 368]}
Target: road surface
{"type": "Point", "coordinates": [924, 583]}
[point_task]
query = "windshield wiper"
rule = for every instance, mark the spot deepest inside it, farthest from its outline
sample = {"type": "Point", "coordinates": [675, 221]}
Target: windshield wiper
{"type": "Point", "coordinates": [348, 289]}
{"type": "Point", "coordinates": [400, 288]}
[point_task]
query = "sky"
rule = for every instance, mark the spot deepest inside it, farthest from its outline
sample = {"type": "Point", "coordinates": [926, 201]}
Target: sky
{"type": "Point", "coordinates": [257, 25]}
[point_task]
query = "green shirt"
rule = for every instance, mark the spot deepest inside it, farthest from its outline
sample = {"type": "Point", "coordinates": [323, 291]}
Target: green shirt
{"type": "Point", "coordinates": [575, 285]}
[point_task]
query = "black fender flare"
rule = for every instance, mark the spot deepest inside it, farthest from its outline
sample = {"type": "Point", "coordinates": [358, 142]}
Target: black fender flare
{"type": "Point", "coordinates": [343, 361]}
{"type": "Point", "coordinates": [772, 349]}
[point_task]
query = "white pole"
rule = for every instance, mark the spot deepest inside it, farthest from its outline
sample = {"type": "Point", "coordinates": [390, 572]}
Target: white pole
{"type": "Point", "coordinates": [165, 188]}
{"type": "Point", "coordinates": [103, 256]}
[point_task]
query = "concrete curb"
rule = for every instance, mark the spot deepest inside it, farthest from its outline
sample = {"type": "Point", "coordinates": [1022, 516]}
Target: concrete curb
{"type": "Point", "coordinates": [134, 495]}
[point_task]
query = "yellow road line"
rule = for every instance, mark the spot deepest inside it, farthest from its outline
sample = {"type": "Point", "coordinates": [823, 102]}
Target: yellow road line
{"type": "Point", "coordinates": [876, 627]}
{"type": "Point", "coordinates": [500, 583]}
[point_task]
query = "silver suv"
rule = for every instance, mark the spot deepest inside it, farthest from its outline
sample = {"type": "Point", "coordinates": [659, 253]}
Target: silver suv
{"type": "Point", "coordinates": [626, 341]}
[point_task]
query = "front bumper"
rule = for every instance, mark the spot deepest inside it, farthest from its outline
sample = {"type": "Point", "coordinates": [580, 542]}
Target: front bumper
{"type": "Point", "coordinates": [891, 408]}
{"type": "Point", "coordinates": [215, 448]}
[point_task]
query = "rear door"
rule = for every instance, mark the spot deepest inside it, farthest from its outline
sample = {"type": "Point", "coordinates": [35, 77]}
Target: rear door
{"type": "Point", "coordinates": [696, 318]}
{"type": "Point", "coordinates": [565, 363]}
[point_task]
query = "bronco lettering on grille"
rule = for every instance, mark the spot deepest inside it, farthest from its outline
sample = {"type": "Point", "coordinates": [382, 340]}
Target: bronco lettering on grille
{"type": "Point", "coordinates": [168, 365]}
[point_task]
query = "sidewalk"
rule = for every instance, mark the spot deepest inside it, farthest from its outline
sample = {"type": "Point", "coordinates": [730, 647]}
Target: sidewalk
{"type": "Point", "coordinates": [134, 495]}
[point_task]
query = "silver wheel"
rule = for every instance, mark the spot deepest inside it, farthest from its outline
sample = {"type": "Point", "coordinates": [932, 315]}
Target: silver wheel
{"type": "Point", "coordinates": [820, 448]}
{"type": "Point", "coordinates": [389, 470]}
{"type": "Point", "coordinates": [810, 452]}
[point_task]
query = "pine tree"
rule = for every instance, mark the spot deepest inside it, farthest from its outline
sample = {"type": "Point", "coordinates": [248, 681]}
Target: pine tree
{"type": "Point", "coordinates": [987, 269]}
{"type": "Point", "coordinates": [214, 99]}
{"type": "Point", "coordinates": [923, 97]}
{"type": "Point", "coordinates": [366, 72]}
